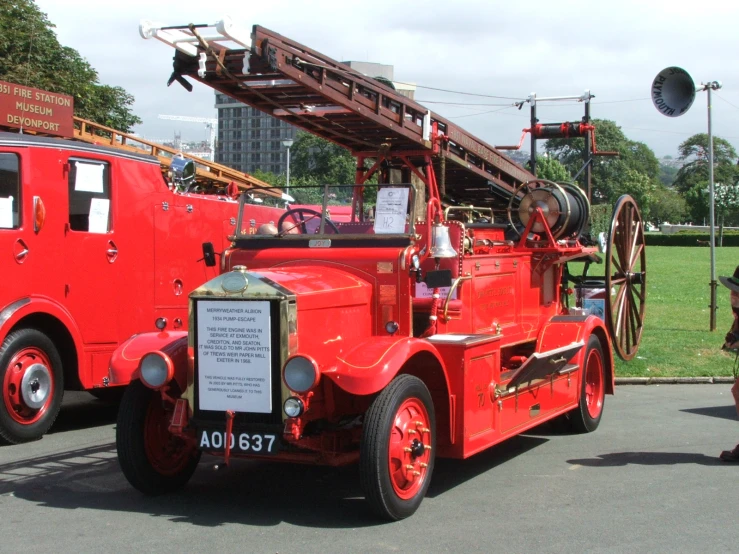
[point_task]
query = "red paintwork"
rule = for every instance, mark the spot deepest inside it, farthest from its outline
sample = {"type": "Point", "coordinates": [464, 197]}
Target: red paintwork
{"type": "Point", "coordinates": [369, 365]}
{"type": "Point", "coordinates": [124, 363]}
{"type": "Point", "coordinates": [89, 292]}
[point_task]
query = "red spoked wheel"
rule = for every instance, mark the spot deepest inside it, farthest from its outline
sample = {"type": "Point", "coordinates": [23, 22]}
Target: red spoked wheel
{"type": "Point", "coordinates": [153, 460]}
{"type": "Point", "coordinates": [169, 455]}
{"type": "Point", "coordinates": [32, 385]}
{"type": "Point", "coordinates": [408, 453]}
{"type": "Point", "coordinates": [586, 417]}
{"type": "Point", "coordinates": [398, 448]}
{"type": "Point", "coordinates": [626, 278]}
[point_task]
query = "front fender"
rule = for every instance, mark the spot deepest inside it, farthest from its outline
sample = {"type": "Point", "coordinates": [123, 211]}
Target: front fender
{"type": "Point", "coordinates": [124, 364]}
{"type": "Point", "coordinates": [370, 365]}
{"type": "Point", "coordinates": [14, 312]}
{"type": "Point", "coordinates": [564, 329]}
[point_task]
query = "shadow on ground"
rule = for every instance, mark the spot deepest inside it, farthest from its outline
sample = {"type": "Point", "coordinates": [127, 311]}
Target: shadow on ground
{"type": "Point", "coordinates": [249, 492]}
{"type": "Point", "coordinates": [616, 459]}
{"type": "Point", "coordinates": [85, 415]}
{"type": "Point", "coordinates": [723, 412]}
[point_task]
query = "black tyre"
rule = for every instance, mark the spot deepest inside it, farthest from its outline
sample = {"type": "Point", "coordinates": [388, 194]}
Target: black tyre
{"type": "Point", "coordinates": [153, 460]}
{"type": "Point", "coordinates": [586, 417]}
{"type": "Point", "coordinates": [32, 380]}
{"type": "Point", "coordinates": [398, 448]}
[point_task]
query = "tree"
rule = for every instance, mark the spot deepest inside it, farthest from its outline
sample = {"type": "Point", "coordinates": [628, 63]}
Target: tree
{"type": "Point", "coordinates": [304, 190]}
{"type": "Point", "coordinates": [667, 206]}
{"type": "Point", "coordinates": [692, 180]}
{"type": "Point", "coordinates": [31, 55]}
{"type": "Point", "coordinates": [608, 173]}
{"type": "Point", "coordinates": [667, 174]}
{"type": "Point", "coordinates": [640, 188]}
{"type": "Point", "coordinates": [323, 161]}
{"type": "Point", "coordinates": [550, 168]}
{"type": "Point", "coordinates": [694, 152]}
{"type": "Point", "coordinates": [726, 201]}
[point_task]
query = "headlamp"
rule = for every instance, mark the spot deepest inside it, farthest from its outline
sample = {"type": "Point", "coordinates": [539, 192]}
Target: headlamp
{"type": "Point", "coordinates": [293, 407]}
{"type": "Point", "coordinates": [300, 374]}
{"type": "Point", "coordinates": [156, 369]}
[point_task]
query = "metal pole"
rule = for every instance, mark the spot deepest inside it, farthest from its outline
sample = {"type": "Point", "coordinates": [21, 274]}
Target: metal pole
{"type": "Point", "coordinates": [587, 154]}
{"type": "Point", "coordinates": [709, 87]}
{"type": "Point", "coordinates": [532, 99]}
{"type": "Point", "coordinates": [287, 176]}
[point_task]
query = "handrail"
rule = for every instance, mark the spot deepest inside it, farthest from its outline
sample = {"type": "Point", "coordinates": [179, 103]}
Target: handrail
{"type": "Point", "coordinates": [455, 284]}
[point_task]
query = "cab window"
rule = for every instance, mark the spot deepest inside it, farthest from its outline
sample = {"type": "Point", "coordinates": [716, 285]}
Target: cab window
{"type": "Point", "coordinates": [89, 196]}
{"type": "Point", "coordinates": [10, 191]}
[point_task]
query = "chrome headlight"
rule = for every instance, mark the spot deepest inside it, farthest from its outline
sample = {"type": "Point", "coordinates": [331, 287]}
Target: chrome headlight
{"type": "Point", "coordinates": [300, 373]}
{"type": "Point", "coordinates": [156, 369]}
{"type": "Point", "coordinates": [293, 407]}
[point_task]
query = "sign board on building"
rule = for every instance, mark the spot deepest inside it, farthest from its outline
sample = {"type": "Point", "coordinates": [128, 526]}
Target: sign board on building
{"type": "Point", "coordinates": [31, 109]}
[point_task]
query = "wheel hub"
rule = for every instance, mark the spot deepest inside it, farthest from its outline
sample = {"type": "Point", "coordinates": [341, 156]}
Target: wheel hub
{"type": "Point", "coordinates": [36, 386]}
{"type": "Point", "coordinates": [417, 448]}
{"type": "Point", "coordinates": [410, 449]}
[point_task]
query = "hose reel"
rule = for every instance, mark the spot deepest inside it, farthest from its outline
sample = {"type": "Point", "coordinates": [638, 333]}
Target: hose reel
{"type": "Point", "coordinates": [564, 206]}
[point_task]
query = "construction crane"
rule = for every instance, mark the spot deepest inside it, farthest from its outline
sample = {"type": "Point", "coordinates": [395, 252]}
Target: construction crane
{"type": "Point", "coordinates": [210, 123]}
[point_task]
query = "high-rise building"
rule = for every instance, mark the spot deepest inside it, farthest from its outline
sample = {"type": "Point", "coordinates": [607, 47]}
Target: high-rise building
{"type": "Point", "coordinates": [249, 139]}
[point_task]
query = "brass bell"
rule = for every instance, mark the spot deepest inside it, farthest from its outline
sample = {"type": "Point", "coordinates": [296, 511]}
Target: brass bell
{"type": "Point", "coordinates": [441, 245]}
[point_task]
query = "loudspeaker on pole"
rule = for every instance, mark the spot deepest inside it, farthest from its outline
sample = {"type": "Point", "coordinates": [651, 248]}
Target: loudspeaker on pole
{"type": "Point", "coordinates": [673, 91]}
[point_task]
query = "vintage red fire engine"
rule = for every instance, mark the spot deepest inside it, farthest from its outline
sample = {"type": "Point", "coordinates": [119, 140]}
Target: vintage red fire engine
{"type": "Point", "coordinates": [439, 326]}
{"type": "Point", "coordinates": [96, 245]}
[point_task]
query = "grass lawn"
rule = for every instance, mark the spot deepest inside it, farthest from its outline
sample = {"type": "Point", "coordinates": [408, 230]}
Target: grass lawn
{"type": "Point", "coordinates": [676, 340]}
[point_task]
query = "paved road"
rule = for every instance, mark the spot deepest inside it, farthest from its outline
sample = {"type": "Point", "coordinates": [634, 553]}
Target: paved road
{"type": "Point", "coordinates": [647, 481]}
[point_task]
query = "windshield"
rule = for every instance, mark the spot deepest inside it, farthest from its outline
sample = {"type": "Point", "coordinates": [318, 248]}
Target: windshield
{"type": "Point", "coordinates": [336, 212]}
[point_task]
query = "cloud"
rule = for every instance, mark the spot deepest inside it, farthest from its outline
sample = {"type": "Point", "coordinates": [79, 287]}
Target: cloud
{"type": "Point", "coordinates": [612, 47]}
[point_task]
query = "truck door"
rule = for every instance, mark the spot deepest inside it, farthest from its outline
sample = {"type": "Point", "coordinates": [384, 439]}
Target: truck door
{"type": "Point", "coordinates": [15, 242]}
{"type": "Point", "coordinates": [91, 258]}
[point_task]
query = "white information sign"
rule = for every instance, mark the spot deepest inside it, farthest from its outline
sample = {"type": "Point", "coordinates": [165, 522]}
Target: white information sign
{"type": "Point", "coordinates": [89, 177]}
{"type": "Point", "coordinates": [6, 213]}
{"type": "Point", "coordinates": [392, 207]}
{"type": "Point", "coordinates": [98, 220]}
{"type": "Point", "coordinates": [234, 358]}
{"type": "Point", "coordinates": [422, 291]}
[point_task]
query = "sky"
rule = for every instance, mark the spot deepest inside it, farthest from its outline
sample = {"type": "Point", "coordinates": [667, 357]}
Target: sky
{"type": "Point", "coordinates": [495, 47]}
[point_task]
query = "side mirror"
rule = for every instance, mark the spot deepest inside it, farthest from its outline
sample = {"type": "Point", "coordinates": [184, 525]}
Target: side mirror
{"type": "Point", "coordinates": [209, 254]}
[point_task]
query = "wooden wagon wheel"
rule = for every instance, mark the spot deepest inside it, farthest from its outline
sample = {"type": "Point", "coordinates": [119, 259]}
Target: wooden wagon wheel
{"type": "Point", "coordinates": [626, 278]}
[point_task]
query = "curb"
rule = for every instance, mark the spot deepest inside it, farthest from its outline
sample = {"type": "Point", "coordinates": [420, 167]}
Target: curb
{"type": "Point", "coordinates": [673, 380]}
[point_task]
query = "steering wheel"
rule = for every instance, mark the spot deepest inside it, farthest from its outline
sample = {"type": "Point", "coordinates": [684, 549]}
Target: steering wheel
{"type": "Point", "coordinates": [302, 212]}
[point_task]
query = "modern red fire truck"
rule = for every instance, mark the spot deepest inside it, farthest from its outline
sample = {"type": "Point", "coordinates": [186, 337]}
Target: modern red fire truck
{"type": "Point", "coordinates": [97, 242]}
{"type": "Point", "coordinates": [435, 322]}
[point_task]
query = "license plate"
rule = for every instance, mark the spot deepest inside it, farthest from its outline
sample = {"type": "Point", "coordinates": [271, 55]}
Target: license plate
{"type": "Point", "coordinates": [214, 440]}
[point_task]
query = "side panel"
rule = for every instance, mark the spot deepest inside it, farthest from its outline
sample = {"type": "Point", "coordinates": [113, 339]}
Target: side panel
{"type": "Point", "coordinates": [473, 367]}
{"type": "Point", "coordinates": [537, 403]}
